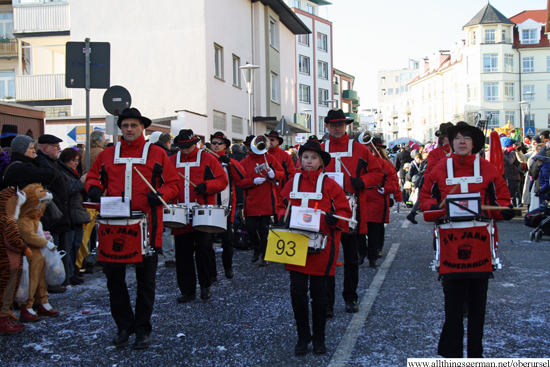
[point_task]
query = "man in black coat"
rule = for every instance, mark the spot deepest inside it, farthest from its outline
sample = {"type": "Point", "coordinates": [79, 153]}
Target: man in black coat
{"type": "Point", "coordinates": [404, 156]}
{"type": "Point", "coordinates": [49, 148]}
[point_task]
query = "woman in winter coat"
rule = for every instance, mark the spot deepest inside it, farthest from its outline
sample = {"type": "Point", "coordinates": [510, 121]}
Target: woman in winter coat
{"type": "Point", "coordinates": [68, 161]}
{"type": "Point", "coordinates": [319, 267]}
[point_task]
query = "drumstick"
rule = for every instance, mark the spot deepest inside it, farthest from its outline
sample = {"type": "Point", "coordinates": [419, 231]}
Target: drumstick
{"type": "Point", "coordinates": [450, 192]}
{"type": "Point", "coordinates": [211, 151]}
{"type": "Point", "coordinates": [151, 187]}
{"type": "Point", "coordinates": [339, 217]}
{"type": "Point", "coordinates": [188, 180]}
{"type": "Point", "coordinates": [287, 210]}
{"type": "Point", "coordinates": [494, 207]}
{"type": "Point", "coordinates": [342, 163]}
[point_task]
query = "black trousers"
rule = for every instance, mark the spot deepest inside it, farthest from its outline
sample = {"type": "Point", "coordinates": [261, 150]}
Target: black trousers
{"type": "Point", "coordinates": [121, 308]}
{"type": "Point", "coordinates": [456, 291]}
{"type": "Point", "coordinates": [300, 305]}
{"type": "Point", "coordinates": [513, 187]}
{"type": "Point", "coordinates": [198, 244]}
{"type": "Point", "coordinates": [258, 229]}
{"type": "Point", "coordinates": [376, 239]}
{"type": "Point", "coordinates": [351, 271]}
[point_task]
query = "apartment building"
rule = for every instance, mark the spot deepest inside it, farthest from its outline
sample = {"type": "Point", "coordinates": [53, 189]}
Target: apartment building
{"type": "Point", "coordinates": [346, 98]}
{"type": "Point", "coordinates": [179, 61]}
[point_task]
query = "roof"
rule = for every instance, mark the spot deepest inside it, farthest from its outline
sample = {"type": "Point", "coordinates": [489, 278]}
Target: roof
{"type": "Point", "coordinates": [488, 15]}
{"type": "Point", "coordinates": [287, 16]}
{"type": "Point", "coordinates": [536, 15]}
{"type": "Point", "coordinates": [343, 73]}
{"type": "Point", "coordinates": [321, 2]}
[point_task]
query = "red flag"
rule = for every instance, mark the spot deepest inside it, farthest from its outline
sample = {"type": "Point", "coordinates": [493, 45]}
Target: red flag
{"type": "Point", "coordinates": [495, 152]}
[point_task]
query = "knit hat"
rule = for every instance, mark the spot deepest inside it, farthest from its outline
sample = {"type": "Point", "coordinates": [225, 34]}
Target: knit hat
{"type": "Point", "coordinates": [21, 143]}
{"type": "Point", "coordinates": [506, 142]}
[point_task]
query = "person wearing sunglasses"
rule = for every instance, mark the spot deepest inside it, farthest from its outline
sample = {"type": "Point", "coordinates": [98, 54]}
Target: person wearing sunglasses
{"type": "Point", "coordinates": [284, 159]}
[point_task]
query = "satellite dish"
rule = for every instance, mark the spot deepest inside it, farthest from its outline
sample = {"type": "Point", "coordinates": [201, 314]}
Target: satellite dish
{"type": "Point", "coordinates": [116, 99]}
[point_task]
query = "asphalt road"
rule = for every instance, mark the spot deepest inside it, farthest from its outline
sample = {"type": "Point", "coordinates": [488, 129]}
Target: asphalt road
{"type": "Point", "coordinates": [249, 320]}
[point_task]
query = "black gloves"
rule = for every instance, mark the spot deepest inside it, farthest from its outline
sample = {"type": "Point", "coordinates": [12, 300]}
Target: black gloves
{"type": "Point", "coordinates": [201, 188]}
{"type": "Point", "coordinates": [392, 202]}
{"type": "Point", "coordinates": [330, 219]}
{"type": "Point", "coordinates": [508, 214]}
{"type": "Point", "coordinates": [95, 194]}
{"type": "Point", "coordinates": [537, 194]}
{"type": "Point", "coordinates": [435, 207]}
{"type": "Point", "coordinates": [154, 199]}
{"type": "Point", "coordinates": [224, 159]}
{"type": "Point", "coordinates": [282, 221]}
{"type": "Point", "coordinates": [357, 183]}
{"type": "Point", "coordinates": [158, 250]}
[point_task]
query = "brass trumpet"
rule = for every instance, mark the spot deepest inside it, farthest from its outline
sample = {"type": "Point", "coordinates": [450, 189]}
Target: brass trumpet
{"type": "Point", "coordinates": [259, 145]}
{"type": "Point", "coordinates": [366, 138]}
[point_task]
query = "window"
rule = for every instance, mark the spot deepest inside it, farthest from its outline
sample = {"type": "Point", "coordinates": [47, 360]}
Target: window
{"type": "Point", "coordinates": [510, 117]}
{"type": "Point", "coordinates": [7, 84]}
{"type": "Point", "coordinates": [237, 124]}
{"type": "Point", "coordinates": [219, 120]}
{"type": "Point", "coordinates": [383, 80]}
{"type": "Point", "coordinates": [236, 65]}
{"type": "Point", "coordinates": [310, 9]}
{"type": "Point", "coordinates": [321, 125]}
{"type": "Point", "coordinates": [490, 63]}
{"type": "Point", "coordinates": [390, 91]}
{"type": "Point", "coordinates": [547, 63]}
{"type": "Point", "coordinates": [303, 39]}
{"type": "Point", "coordinates": [473, 37]}
{"type": "Point", "coordinates": [528, 64]}
{"type": "Point", "coordinates": [218, 61]}
{"type": "Point", "coordinates": [529, 36]}
{"type": "Point", "coordinates": [508, 91]}
{"type": "Point", "coordinates": [383, 92]}
{"type": "Point", "coordinates": [490, 36]}
{"type": "Point", "coordinates": [530, 120]}
{"type": "Point", "coordinates": [323, 70]}
{"type": "Point", "coordinates": [322, 42]}
{"type": "Point", "coordinates": [303, 64]}
{"type": "Point", "coordinates": [275, 87]}
{"type": "Point", "coordinates": [494, 119]}
{"type": "Point", "coordinates": [6, 25]}
{"type": "Point", "coordinates": [491, 91]}
{"type": "Point", "coordinates": [503, 37]}
{"type": "Point", "coordinates": [528, 93]}
{"type": "Point", "coordinates": [323, 97]}
{"type": "Point", "coordinates": [397, 78]}
{"type": "Point", "coordinates": [273, 33]}
{"type": "Point", "coordinates": [508, 63]}
{"type": "Point", "coordinates": [296, 4]}
{"type": "Point", "coordinates": [304, 93]}
{"type": "Point", "coordinates": [548, 92]}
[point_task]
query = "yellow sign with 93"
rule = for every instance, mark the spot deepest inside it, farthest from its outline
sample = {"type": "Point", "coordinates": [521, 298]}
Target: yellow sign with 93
{"type": "Point", "coordinates": [286, 247]}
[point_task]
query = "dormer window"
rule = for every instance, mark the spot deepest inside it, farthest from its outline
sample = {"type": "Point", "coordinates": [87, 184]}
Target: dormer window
{"type": "Point", "coordinates": [529, 32]}
{"type": "Point", "coordinates": [529, 36]}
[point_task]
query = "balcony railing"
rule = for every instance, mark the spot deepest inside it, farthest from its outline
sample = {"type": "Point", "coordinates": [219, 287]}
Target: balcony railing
{"type": "Point", "coordinates": [8, 48]}
{"type": "Point", "coordinates": [41, 18]}
{"type": "Point", "coordinates": [41, 87]}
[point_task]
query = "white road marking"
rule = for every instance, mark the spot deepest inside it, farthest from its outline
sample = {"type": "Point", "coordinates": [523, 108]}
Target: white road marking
{"type": "Point", "coordinates": [345, 348]}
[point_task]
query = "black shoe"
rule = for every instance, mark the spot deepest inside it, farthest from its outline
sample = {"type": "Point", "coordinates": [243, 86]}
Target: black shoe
{"type": "Point", "coordinates": [361, 260]}
{"type": "Point", "coordinates": [57, 289]}
{"type": "Point", "coordinates": [352, 307]}
{"type": "Point", "coordinates": [411, 219]}
{"type": "Point", "coordinates": [380, 254]}
{"type": "Point", "coordinates": [142, 342]}
{"type": "Point", "coordinates": [263, 262]}
{"type": "Point", "coordinates": [229, 273]}
{"type": "Point", "coordinates": [255, 257]}
{"type": "Point", "coordinates": [301, 347]}
{"type": "Point", "coordinates": [213, 279]}
{"type": "Point", "coordinates": [121, 338]}
{"type": "Point", "coordinates": [205, 293]}
{"type": "Point", "coordinates": [373, 264]}
{"type": "Point", "coordinates": [74, 281]}
{"type": "Point", "coordinates": [319, 347]}
{"type": "Point", "coordinates": [184, 298]}
{"type": "Point", "coordinates": [330, 312]}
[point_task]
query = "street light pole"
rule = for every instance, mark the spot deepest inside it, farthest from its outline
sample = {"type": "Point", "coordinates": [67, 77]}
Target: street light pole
{"type": "Point", "coordinates": [248, 76]}
{"type": "Point", "coordinates": [525, 106]}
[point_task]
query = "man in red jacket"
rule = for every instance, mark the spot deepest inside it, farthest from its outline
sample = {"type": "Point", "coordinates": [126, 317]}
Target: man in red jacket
{"type": "Point", "coordinates": [284, 159]}
{"type": "Point", "coordinates": [228, 198]}
{"type": "Point", "coordinates": [260, 195]}
{"type": "Point", "coordinates": [365, 173]}
{"type": "Point", "coordinates": [208, 178]}
{"type": "Point", "coordinates": [108, 173]}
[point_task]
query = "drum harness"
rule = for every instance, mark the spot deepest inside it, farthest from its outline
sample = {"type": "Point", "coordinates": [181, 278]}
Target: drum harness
{"type": "Point", "coordinates": [187, 166]}
{"type": "Point", "coordinates": [463, 181]}
{"type": "Point", "coordinates": [306, 196]}
{"type": "Point", "coordinates": [129, 162]}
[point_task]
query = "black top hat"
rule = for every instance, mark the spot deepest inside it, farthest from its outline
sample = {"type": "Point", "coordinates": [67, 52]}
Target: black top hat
{"type": "Point", "coordinates": [133, 113]}
{"type": "Point", "coordinates": [221, 136]}
{"type": "Point", "coordinates": [477, 135]}
{"type": "Point", "coordinates": [336, 117]}
{"type": "Point", "coordinates": [378, 143]}
{"type": "Point", "coordinates": [443, 128]}
{"type": "Point", "coordinates": [185, 138]}
{"type": "Point", "coordinates": [275, 134]}
{"type": "Point", "coordinates": [316, 147]}
{"type": "Point", "coordinates": [249, 139]}
{"type": "Point", "coordinates": [313, 138]}
{"type": "Point", "coordinates": [9, 132]}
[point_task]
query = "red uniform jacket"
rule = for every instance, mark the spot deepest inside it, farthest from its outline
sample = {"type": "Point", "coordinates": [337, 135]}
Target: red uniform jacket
{"type": "Point", "coordinates": [286, 162]}
{"type": "Point", "coordinates": [236, 174]}
{"type": "Point", "coordinates": [435, 156]}
{"type": "Point", "coordinates": [259, 199]}
{"type": "Point", "coordinates": [361, 164]}
{"type": "Point", "coordinates": [379, 204]}
{"type": "Point", "coordinates": [334, 200]}
{"type": "Point", "coordinates": [209, 172]}
{"type": "Point", "coordinates": [158, 171]}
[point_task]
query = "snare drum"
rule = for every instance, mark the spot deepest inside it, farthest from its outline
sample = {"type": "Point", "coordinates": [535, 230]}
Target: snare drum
{"type": "Point", "coordinates": [317, 241]}
{"type": "Point", "coordinates": [353, 207]}
{"type": "Point", "coordinates": [176, 216]}
{"type": "Point", "coordinates": [210, 218]}
{"type": "Point", "coordinates": [123, 240]}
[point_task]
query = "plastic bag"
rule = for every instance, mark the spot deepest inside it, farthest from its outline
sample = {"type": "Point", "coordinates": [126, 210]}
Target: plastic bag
{"type": "Point", "coordinates": [54, 271]}
{"type": "Point", "coordinates": [22, 294]}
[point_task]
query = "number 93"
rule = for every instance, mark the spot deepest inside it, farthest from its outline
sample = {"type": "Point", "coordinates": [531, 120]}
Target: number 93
{"type": "Point", "coordinates": [281, 248]}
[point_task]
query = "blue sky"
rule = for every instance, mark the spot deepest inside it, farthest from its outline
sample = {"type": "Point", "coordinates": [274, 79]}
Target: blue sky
{"type": "Point", "coordinates": [372, 35]}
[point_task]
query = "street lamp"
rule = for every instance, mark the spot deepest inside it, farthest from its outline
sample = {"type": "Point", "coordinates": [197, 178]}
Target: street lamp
{"type": "Point", "coordinates": [525, 109]}
{"type": "Point", "coordinates": [248, 75]}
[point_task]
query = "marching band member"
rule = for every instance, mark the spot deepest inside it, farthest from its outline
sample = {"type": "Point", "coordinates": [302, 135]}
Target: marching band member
{"type": "Point", "coordinates": [378, 202]}
{"type": "Point", "coordinates": [106, 174]}
{"type": "Point", "coordinates": [260, 195]}
{"type": "Point", "coordinates": [477, 175]}
{"type": "Point", "coordinates": [366, 174]}
{"type": "Point", "coordinates": [282, 157]}
{"type": "Point", "coordinates": [319, 267]}
{"type": "Point", "coordinates": [235, 173]}
{"type": "Point", "coordinates": [209, 178]}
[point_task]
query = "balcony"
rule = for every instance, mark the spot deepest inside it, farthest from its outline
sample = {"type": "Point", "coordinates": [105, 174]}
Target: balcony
{"type": "Point", "coordinates": [394, 114]}
{"type": "Point", "coordinates": [8, 49]}
{"type": "Point", "coordinates": [41, 18]}
{"type": "Point", "coordinates": [350, 94]}
{"type": "Point", "coordinates": [380, 116]}
{"type": "Point", "coordinates": [41, 87]}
